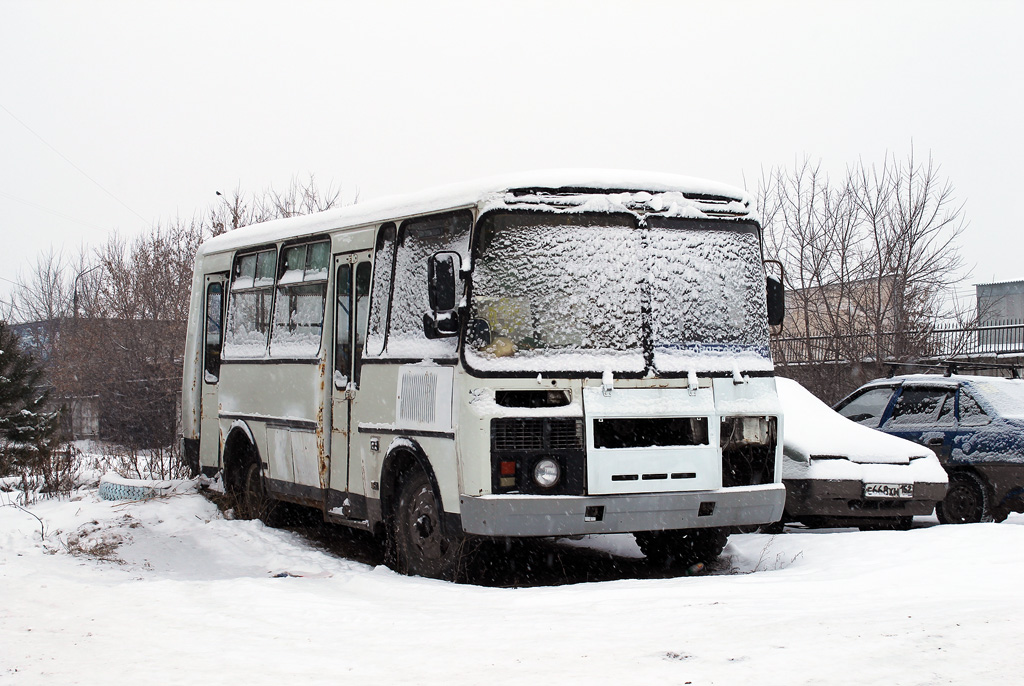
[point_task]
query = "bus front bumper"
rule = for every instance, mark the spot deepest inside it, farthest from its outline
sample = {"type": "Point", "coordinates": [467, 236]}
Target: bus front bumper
{"type": "Point", "coordinates": [538, 515]}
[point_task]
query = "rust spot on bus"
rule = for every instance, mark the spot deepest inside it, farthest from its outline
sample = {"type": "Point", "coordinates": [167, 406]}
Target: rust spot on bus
{"type": "Point", "coordinates": [321, 443]}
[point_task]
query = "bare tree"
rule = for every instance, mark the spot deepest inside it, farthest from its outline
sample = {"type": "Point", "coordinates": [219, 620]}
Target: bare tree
{"type": "Point", "coordinates": [869, 261]}
{"type": "Point", "coordinates": [912, 226]}
{"type": "Point", "coordinates": [45, 293]}
{"type": "Point", "coordinates": [129, 346]}
{"type": "Point", "coordinates": [301, 197]}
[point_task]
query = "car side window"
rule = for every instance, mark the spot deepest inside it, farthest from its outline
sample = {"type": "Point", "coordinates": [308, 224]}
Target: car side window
{"type": "Point", "coordinates": [946, 414]}
{"type": "Point", "coordinates": [971, 413]}
{"type": "Point", "coordinates": [920, 406]}
{"type": "Point", "coordinates": [867, 408]}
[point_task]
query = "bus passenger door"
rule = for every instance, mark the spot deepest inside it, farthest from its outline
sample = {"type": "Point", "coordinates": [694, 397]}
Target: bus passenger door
{"type": "Point", "coordinates": [351, 306]}
{"type": "Point", "coordinates": [213, 341]}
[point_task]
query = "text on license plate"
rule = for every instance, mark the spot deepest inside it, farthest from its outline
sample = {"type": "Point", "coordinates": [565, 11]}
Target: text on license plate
{"type": "Point", "coordinates": [888, 490]}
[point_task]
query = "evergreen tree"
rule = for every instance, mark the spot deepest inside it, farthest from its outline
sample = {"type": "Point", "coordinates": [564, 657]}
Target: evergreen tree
{"type": "Point", "coordinates": [28, 433]}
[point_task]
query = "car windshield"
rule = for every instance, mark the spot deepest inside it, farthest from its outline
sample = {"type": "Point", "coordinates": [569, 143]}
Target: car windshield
{"type": "Point", "coordinates": [595, 292]}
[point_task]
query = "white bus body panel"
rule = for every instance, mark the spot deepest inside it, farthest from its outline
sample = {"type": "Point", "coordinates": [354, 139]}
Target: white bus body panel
{"type": "Point", "coordinates": [640, 463]}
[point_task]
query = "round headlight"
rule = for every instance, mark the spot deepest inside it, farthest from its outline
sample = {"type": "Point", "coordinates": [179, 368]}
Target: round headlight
{"type": "Point", "coordinates": [546, 472]}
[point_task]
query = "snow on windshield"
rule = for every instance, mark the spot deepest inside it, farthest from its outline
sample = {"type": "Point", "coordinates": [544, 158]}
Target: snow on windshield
{"type": "Point", "coordinates": [555, 288]}
{"type": "Point", "coordinates": [708, 293]}
{"type": "Point", "coordinates": [577, 292]}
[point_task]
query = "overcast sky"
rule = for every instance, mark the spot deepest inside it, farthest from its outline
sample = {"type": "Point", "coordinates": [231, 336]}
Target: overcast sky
{"type": "Point", "coordinates": [116, 115]}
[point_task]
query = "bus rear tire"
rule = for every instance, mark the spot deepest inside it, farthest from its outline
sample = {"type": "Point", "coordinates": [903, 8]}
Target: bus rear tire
{"type": "Point", "coordinates": [248, 490]}
{"type": "Point", "coordinates": [421, 546]}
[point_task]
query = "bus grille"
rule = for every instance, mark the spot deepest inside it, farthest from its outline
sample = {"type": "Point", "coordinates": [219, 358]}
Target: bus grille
{"type": "Point", "coordinates": [536, 433]}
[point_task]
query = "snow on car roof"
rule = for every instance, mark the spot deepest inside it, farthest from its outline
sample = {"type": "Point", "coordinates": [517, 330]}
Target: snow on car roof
{"type": "Point", "coordinates": [812, 428]}
{"type": "Point", "coordinates": [471, 193]}
{"type": "Point", "coordinates": [1005, 395]}
{"type": "Point", "coordinates": [931, 379]}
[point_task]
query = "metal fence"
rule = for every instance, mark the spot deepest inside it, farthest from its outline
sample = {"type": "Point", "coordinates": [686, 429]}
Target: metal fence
{"type": "Point", "coordinates": [1004, 337]}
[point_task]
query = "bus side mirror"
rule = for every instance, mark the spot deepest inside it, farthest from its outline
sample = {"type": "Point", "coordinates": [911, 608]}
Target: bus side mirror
{"type": "Point", "coordinates": [776, 301]}
{"type": "Point", "coordinates": [442, 292]}
{"type": "Point", "coordinates": [441, 285]}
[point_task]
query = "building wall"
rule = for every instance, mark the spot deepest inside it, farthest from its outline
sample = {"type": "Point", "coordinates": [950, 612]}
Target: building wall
{"type": "Point", "coordinates": [998, 302]}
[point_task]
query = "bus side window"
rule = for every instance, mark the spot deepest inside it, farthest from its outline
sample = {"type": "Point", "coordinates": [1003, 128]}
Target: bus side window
{"type": "Point", "coordinates": [362, 313]}
{"type": "Point", "coordinates": [214, 333]}
{"type": "Point", "coordinates": [301, 297]}
{"type": "Point", "coordinates": [419, 239]}
{"type": "Point", "coordinates": [380, 298]}
{"type": "Point", "coordinates": [343, 326]}
{"type": "Point", "coordinates": [252, 292]}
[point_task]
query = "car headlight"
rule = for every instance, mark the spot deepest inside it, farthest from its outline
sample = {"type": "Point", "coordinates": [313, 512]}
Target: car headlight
{"type": "Point", "coordinates": [546, 472]}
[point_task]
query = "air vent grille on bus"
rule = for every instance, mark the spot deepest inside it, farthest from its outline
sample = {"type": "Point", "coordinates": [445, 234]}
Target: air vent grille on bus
{"type": "Point", "coordinates": [418, 398]}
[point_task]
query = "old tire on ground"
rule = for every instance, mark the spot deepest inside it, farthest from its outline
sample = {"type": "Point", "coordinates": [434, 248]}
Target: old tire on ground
{"type": "Point", "coordinates": [421, 546]}
{"type": "Point", "coordinates": [681, 548]}
{"type": "Point", "coordinates": [966, 501]}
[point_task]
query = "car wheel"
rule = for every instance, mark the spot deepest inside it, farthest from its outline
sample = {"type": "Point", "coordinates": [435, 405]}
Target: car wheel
{"type": "Point", "coordinates": [421, 546]}
{"type": "Point", "coordinates": [682, 548]}
{"type": "Point", "coordinates": [966, 500]}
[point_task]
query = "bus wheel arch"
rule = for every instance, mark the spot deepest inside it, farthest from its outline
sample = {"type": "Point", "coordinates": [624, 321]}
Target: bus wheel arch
{"type": "Point", "coordinates": [243, 475]}
{"type": "Point", "coordinates": [419, 539]}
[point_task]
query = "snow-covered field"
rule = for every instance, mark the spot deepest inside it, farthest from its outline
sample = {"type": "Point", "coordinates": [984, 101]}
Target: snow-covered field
{"type": "Point", "coordinates": [168, 591]}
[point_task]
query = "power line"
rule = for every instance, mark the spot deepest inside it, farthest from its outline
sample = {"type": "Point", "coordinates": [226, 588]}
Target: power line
{"type": "Point", "coordinates": [53, 212]}
{"type": "Point", "coordinates": [79, 169]}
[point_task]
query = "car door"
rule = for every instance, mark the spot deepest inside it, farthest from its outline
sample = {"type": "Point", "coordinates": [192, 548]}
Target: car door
{"type": "Point", "coordinates": [924, 414]}
{"type": "Point", "coordinates": [974, 433]}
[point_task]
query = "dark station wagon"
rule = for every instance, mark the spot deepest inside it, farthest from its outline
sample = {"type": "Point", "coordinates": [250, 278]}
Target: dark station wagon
{"type": "Point", "coordinates": [975, 425]}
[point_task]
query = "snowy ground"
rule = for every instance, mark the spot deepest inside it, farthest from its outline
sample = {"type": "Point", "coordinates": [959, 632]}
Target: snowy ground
{"type": "Point", "coordinates": [170, 592]}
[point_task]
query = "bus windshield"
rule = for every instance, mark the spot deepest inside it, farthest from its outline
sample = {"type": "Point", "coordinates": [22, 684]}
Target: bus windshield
{"type": "Point", "coordinates": [589, 292]}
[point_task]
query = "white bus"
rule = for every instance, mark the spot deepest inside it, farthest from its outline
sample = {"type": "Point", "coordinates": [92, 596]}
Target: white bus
{"type": "Point", "coordinates": [554, 354]}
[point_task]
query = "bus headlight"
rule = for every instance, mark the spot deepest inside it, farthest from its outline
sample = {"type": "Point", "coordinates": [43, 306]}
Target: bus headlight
{"type": "Point", "coordinates": [546, 472]}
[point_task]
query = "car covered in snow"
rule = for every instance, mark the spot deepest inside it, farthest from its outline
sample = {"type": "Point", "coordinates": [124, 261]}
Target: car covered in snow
{"type": "Point", "coordinates": [974, 424]}
{"type": "Point", "coordinates": [840, 473]}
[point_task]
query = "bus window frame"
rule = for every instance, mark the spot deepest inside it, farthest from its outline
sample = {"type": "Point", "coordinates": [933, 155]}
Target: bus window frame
{"type": "Point", "coordinates": [214, 372]}
{"type": "Point", "coordinates": [230, 291]}
{"type": "Point", "coordinates": [278, 286]}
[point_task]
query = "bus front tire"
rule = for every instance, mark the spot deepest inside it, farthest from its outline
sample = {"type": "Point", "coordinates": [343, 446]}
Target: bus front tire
{"type": "Point", "coordinates": [421, 546]}
{"type": "Point", "coordinates": [681, 548]}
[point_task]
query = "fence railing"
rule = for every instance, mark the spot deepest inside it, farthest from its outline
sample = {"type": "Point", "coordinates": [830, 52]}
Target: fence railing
{"type": "Point", "coordinates": [1004, 337]}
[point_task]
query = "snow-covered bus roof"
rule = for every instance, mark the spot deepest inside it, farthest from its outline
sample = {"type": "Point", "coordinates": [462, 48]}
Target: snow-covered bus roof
{"type": "Point", "coordinates": [684, 195]}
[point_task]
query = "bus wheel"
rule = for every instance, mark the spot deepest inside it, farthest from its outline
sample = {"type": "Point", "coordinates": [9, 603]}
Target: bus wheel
{"type": "Point", "coordinates": [250, 493]}
{"type": "Point", "coordinates": [421, 546]}
{"type": "Point", "coordinates": [681, 548]}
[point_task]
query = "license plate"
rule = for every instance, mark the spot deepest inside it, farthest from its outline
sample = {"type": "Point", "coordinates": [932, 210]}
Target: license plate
{"type": "Point", "coordinates": [889, 491]}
